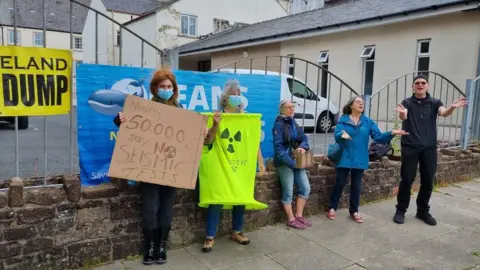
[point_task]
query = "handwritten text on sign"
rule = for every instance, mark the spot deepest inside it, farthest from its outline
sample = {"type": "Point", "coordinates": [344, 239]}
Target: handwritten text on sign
{"type": "Point", "coordinates": [158, 144]}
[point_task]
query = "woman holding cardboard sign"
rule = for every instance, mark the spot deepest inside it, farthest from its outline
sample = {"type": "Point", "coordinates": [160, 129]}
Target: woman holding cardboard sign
{"type": "Point", "coordinates": [158, 200]}
{"type": "Point", "coordinates": [291, 147]}
{"type": "Point", "coordinates": [230, 102]}
{"type": "Point", "coordinates": [352, 134]}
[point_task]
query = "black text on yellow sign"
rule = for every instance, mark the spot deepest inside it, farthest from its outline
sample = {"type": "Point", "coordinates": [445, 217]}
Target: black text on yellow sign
{"type": "Point", "coordinates": [35, 81]}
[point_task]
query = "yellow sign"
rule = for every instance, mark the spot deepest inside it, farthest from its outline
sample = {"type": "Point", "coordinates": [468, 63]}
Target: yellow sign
{"type": "Point", "coordinates": [35, 81]}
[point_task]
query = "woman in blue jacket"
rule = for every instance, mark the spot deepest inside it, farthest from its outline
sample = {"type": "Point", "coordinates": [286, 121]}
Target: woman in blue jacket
{"type": "Point", "coordinates": [352, 134]}
{"type": "Point", "coordinates": [287, 138]}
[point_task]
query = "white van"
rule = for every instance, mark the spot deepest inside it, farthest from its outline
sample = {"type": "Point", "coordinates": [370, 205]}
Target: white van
{"type": "Point", "coordinates": [310, 108]}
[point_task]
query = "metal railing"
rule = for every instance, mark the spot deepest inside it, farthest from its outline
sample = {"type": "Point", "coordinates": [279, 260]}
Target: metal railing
{"type": "Point", "coordinates": [382, 103]}
{"type": "Point", "coordinates": [471, 127]}
{"type": "Point", "coordinates": [62, 127]}
{"type": "Point", "coordinates": [316, 92]}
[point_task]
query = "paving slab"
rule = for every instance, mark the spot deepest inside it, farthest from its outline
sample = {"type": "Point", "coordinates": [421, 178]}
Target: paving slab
{"type": "Point", "coordinates": [397, 260]}
{"type": "Point", "coordinates": [263, 263]}
{"type": "Point", "coordinates": [378, 243]}
{"type": "Point", "coordinates": [285, 239]}
{"type": "Point", "coordinates": [442, 255]}
{"type": "Point", "coordinates": [311, 257]}
{"type": "Point", "coordinates": [225, 252]}
{"type": "Point", "coordinates": [178, 259]}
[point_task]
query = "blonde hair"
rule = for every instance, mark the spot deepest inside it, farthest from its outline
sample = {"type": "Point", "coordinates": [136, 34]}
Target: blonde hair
{"type": "Point", "coordinates": [230, 87]}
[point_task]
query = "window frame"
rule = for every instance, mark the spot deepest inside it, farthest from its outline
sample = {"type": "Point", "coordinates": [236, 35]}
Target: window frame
{"type": "Point", "coordinates": [12, 41]}
{"type": "Point", "coordinates": [323, 59]}
{"type": "Point", "coordinates": [34, 39]}
{"type": "Point", "coordinates": [189, 23]}
{"type": "Point", "coordinates": [75, 43]}
{"type": "Point", "coordinates": [368, 60]}
{"type": "Point", "coordinates": [420, 55]}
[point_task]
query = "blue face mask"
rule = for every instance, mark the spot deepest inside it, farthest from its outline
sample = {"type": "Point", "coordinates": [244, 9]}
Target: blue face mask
{"type": "Point", "coordinates": [235, 101]}
{"type": "Point", "coordinates": [165, 94]}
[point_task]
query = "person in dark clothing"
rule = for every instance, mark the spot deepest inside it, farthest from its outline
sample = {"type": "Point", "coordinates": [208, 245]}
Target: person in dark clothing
{"type": "Point", "coordinates": [158, 200]}
{"type": "Point", "coordinates": [420, 147]}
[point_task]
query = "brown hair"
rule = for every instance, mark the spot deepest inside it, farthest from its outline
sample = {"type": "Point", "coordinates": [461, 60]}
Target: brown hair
{"type": "Point", "coordinates": [347, 109]}
{"type": "Point", "coordinates": [161, 75]}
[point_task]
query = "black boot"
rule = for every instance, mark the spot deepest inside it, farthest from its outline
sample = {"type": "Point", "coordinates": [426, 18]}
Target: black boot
{"type": "Point", "coordinates": [148, 258]}
{"type": "Point", "coordinates": [160, 253]}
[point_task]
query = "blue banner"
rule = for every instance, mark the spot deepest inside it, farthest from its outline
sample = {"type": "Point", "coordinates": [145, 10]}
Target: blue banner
{"type": "Point", "coordinates": [101, 92]}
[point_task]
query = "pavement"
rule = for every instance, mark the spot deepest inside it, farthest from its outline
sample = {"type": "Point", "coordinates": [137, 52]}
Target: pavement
{"type": "Point", "coordinates": [378, 243]}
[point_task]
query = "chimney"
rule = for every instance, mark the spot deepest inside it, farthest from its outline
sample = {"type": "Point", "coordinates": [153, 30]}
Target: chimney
{"type": "Point", "coordinates": [298, 6]}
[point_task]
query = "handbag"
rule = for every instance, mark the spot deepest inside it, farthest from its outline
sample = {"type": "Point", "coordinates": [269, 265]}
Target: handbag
{"type": "Point", "coordinates": [303, 160]}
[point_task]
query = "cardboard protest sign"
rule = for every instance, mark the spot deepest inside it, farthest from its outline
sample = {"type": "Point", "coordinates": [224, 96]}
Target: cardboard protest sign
{"type": "Point", "coordinates": [158, 144]}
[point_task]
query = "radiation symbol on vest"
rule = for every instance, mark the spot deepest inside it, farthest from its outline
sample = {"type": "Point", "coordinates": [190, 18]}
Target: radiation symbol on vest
{"type": "Point", "coordinates": [226, 135]}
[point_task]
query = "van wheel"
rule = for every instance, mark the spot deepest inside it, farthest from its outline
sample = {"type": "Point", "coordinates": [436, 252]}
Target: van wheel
{"type": "Point", "coordinates": [22, 122]}
{"type": "Point", "coordinates": [324, 122]}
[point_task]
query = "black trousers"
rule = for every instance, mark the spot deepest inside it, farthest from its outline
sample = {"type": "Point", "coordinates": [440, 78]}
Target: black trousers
{"type": "Point", "coordinates": [411, 157]}
{"type": "Point", "coordinates": [158, 201]}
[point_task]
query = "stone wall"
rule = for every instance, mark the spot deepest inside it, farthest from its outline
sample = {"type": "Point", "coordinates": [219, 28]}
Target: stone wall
{"type": "Point", "coordinates": [70, 227]}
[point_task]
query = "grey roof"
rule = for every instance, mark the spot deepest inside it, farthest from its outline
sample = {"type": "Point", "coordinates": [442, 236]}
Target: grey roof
{"type": "Point", "coordinates": [30, 14]}
{"type": "Point", "coordinates": [331, 16]}
{"type": "Point", "coordinates": [136, 7]}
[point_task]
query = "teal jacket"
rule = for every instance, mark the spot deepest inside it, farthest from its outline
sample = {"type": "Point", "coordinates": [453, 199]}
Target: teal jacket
{"type": "Point", "coordinates": [355, 153]}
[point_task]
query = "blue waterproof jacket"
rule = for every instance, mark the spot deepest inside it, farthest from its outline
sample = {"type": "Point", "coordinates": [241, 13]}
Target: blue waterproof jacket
{"type": "Point", "coordinates": [284, 144]}
{"type": "Point", "coordinates": [355, 153]}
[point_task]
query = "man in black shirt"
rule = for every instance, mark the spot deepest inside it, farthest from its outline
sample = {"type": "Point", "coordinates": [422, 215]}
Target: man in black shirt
{"type": "Point", "coordinates": [420, 146]}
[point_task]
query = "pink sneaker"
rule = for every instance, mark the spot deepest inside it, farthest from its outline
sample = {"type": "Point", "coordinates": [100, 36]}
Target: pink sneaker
{"type": "Point", "coordinates": [331, 214]}
{"type": "Point", "coordinates": [296, 225]}
{"type": "Point", "coordinates": [303, 221]}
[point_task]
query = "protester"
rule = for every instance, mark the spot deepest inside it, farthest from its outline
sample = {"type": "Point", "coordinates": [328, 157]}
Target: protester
{"type": "Point", "coordinates": [420, 147]}
{"type": "Point", "coordinates": [352, 134]}
{"type": "Point", "coordinates": [288, 138]}
{"type": "Point", "coordinates": [230, 102]}
{"type": "Point", "coordinates": [158, 200]}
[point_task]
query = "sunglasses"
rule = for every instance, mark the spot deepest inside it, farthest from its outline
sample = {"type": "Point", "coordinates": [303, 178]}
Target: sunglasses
{"type": "Point", "coordinates": [420, 83]}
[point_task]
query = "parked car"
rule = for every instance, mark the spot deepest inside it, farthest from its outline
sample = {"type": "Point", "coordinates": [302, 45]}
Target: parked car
{"type": "Point", "coordinates": [22, 121]}
{"type": "Point", "coordinates": [310, 108]}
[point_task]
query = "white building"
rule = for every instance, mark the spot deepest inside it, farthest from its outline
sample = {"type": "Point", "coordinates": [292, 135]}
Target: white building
{"type": "Point", "coordinates": [29, 18]}
{"type": "Point", "coordinates": [178, 22]}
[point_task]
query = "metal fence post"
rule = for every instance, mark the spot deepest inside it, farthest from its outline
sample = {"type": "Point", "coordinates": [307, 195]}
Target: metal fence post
{"type": "Point", "coordinates": [367, 100]}
{"type": "Point", "coordinates": [467, 120]}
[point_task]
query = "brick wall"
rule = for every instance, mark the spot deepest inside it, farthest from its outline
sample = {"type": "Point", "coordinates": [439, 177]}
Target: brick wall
{"type": "Point", "coordinates": [70, 226]}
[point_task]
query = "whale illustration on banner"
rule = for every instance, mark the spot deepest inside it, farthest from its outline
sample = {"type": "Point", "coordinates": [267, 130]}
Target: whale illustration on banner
{"type": "Point", "coordinates": [111, 101]}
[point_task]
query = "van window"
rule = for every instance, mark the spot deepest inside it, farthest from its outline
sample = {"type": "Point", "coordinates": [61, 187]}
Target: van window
{"type": "Point", "coordinates": [300, 90]}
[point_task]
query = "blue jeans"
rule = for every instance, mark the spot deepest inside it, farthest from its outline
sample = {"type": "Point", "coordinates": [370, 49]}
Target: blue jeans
{"type": "Point", "coordinates": [355, 188]}
{"type": "Point", "coordinates": [288, 177]}
{"type": "Point", "coordinates": [213, 218]}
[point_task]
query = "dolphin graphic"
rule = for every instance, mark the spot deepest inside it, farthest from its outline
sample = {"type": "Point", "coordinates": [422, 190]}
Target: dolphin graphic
{"type": "Point", "coordinates": [111, 101]}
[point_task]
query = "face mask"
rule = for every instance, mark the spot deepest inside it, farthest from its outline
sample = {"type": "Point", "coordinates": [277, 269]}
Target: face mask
{"type": "Point", "coordinates": [235, 101]}
{"type": "Point", "coordinates": [164, 93]}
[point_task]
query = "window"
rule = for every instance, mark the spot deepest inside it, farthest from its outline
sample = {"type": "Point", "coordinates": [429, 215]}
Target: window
{"type": "Point", "coordinates": [78, 44]}
{"type": "Point", "coordinates": [323, 57]}
{"type": "Point", "coordinates": [11, 37]}
{"type": "Point", "coordinates": [119, 38]}
{"type": "Point", "coordinates": [220, 25]}
{"type": "Point", "coordinates": [300, 90]}
{"type": "Point", "coordinates": [291, 64]}
{"type": "Point", "coordinates": [38, 39]}
{"type": "Point", "coordinates": [368, 55]}
{"type": "Point", "coordinates": [323, 62]}
{"type": "Point", "coordinates": [189, 25]}
{"type": "Point", "coordinates": [423, 57]}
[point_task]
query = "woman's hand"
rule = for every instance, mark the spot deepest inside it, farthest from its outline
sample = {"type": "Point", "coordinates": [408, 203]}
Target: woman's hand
{"type": "Point", "coordinates": [399, 132]}
{"type": "Point", "coordinates": [345, 135]}
{"type": "Point", "coordinates": [122, 117]}
{"type": "Point", "coordinates": [300, 150]}
{"type": "Point", "coordinates": [217, 117]}
{"type": "Point", "coordinates": [205, 132]}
